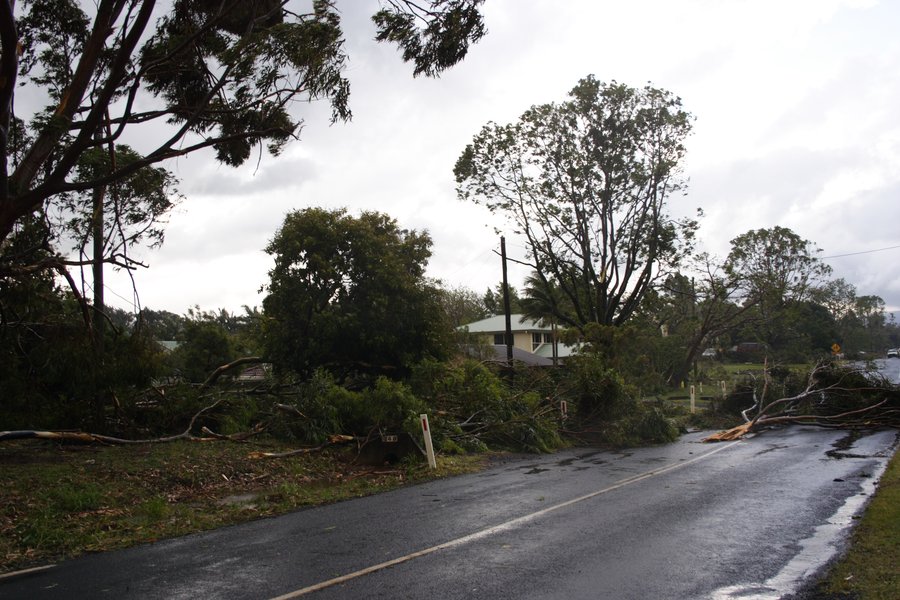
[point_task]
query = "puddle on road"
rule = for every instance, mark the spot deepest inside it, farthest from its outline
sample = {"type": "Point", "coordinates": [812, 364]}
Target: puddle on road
{"type": "Point", "coordinates": [535, 471]}
{"type": "Point", "coordinates": [845, 443]}
{"type": "Point", "coordinates": [772, 448]}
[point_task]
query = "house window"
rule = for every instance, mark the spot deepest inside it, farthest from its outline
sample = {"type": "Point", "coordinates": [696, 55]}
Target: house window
{"type": "Point", "coordinates": [535, 341]}
{"type": "Point", "coordinates": [548, 338]}
{"type": "Point", "coordinates": [498, 339]}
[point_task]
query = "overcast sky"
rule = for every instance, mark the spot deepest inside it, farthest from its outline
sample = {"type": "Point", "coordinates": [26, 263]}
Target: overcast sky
{"type": "Point", "coordinates": [796, 125]}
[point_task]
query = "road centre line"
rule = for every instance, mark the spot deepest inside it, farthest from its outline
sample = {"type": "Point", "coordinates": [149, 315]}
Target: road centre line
{"type": "Point", "coordinates": [494, 529]}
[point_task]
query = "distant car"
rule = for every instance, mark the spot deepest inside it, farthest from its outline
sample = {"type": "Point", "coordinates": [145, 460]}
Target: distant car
{"type": "Point", "coordinates": [893, 353]}
{"type": "Point", "coordinates": [709, 353]}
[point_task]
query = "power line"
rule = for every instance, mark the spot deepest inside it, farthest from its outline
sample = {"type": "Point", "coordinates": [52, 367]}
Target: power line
{"type": "Point", "coordinates": [858, 253]}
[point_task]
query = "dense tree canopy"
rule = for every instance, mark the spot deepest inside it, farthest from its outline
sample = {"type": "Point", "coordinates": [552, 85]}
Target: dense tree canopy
{"type": "Point", "coordinates": [775, 265]}
{"type": "Point", "coordinates": [587, 183]}
{"type": "Point", "coordinates": [350, 294]}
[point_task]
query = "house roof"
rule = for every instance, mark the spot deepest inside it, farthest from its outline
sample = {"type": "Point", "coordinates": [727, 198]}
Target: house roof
{"type": "Point", "coordinates": [497, 324]}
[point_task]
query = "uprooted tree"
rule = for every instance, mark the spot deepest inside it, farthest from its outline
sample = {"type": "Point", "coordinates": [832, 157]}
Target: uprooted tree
{"type": "Point", "coordinates": [833, 396]}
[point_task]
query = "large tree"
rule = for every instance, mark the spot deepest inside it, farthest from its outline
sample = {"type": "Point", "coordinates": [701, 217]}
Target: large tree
{"type": "Point", "coordinates": [462, 305]}
{"type": "Point", "coordinates": [776, 271]}
{"type": "Point", "coordinates": [587, 183]}
{"type": "Point", "coordinates": [349, 294]}
{"type": "Point", "coordinates": [218, 74]}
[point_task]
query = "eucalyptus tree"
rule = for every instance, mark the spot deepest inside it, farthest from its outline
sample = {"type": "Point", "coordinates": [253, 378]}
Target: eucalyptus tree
{"type": "Point", "coordinates": [223, 75]}
{"type": "Point", "coordinates": [587, 182]}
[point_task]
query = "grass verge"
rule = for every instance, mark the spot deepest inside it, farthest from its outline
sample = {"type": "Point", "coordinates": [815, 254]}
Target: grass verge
{"type": "Point", "coordinates": [59, 501]}
{"type": "Point", "coordinates": [869, 571]}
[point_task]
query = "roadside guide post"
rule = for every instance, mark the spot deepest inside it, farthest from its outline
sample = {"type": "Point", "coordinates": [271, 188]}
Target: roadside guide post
{"type": "Point", "coordinates": [429, 448]}
{"type": "Point", "coordinates": [693, 398]}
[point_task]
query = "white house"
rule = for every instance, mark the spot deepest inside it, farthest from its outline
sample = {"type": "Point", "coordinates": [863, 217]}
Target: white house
{"type": "Point", "coordinates": [532, 340]}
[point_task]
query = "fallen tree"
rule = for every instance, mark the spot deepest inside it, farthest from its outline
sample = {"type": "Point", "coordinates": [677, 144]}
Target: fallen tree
{"type": "Point", "coordinates": [834, 396]}
{"type": "Point", "coordinates": [97, 438]}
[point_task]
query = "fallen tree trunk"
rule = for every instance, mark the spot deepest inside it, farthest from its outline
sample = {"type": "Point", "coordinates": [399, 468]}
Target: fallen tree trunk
{"type": "Point", "coordinates": [96, 438]}
{"type": "Point", "coordinates": [214, 376]}
{"type": "Point", "coordinates": [871, 405]}
{"type": "Point", "coordinates": [331, 441]}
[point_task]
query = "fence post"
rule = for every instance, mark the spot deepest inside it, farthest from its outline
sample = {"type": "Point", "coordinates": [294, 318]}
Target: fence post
{"type": "Point", "coordinates": [429, 447]}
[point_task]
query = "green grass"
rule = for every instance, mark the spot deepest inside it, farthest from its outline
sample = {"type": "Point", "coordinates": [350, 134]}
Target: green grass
{"type": "Point", "coordinates": [62, 501]}
{"type": "Point", "coordinates": [871, 568]}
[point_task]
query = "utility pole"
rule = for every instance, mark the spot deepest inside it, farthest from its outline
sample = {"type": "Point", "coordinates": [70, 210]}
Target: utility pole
{"type": "Point", "coordinates": [509, 338]}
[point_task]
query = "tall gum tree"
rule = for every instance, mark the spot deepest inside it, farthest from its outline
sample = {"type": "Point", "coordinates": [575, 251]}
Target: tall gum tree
{"type": "Point", "coordinates": [215, 74]}
{"type": "Point", "coordinates": [587, 183]}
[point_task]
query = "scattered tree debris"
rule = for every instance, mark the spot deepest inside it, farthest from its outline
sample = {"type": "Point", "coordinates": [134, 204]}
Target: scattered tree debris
{"type": "Point", "coordinates": [834, 396]}
{"type": "Point", "coordinates": [332, 441]}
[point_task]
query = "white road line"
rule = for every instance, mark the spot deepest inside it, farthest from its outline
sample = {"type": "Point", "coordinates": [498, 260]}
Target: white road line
{"type": "Point", "coordinates": [495, 529]}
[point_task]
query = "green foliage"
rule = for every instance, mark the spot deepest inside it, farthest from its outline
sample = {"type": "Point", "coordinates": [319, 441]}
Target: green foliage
{"type": "Point", "coordinates": [475, 409]}
{"type": "Point", "coordinates": [651, 424]}
{"type": "Point", "coordinates": [150, 413]}
{"type": "Point", "coordinates": [775, 265]}
{"type": "Point", "coordinates": [636, 351]}
{"type": "Point", "coordinates": [330, 408]}
{"type": "Point", "coordinates": [251, 105]}
{"type": "Point", "coordinates": [494, 303]}
{"type": "Point", "coordinates": [161, 325]}
{"type": "Point", "coordinates": [639, 425]}
{"type": "Point", "coordinates": [51, 33]}
{"type": "Point", "coordinates": [461, 305]}
{"type": "Point", "coordinates": [350, 295]}
{"type": "Point", "coordinates": [586, 182]}
{"type": "Point", "coordinates": [226, 73]}
{"type": "Point", "coordinates": [599, 392]}
{"type": "Point", "coordinates": [449, 27]}
{"type": "Point", "coordinates": [52, 374]}
{"type": "Point", "coordinates": [206, 346]}
{"type": "Point", "coordinates": [387, 405]}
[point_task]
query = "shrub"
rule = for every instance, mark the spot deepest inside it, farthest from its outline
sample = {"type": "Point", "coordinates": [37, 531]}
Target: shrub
{"type": "Point", "coordinates": [599, 392]}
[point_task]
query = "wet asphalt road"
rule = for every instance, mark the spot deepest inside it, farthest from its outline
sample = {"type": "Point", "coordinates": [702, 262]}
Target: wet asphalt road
{"type": "Point", "coordinates": [687, 520]}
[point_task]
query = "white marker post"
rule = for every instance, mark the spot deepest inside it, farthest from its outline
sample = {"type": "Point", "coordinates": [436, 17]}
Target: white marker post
{"type": "Point", "coordinates": [693, 398]}
{"type": "Point", "coordinates": [429, 447]}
